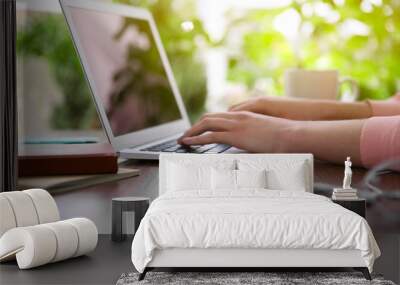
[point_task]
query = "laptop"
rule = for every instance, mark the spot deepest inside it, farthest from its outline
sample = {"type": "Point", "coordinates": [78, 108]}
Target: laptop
{"type": "Point", "coordinates": [131, 80]}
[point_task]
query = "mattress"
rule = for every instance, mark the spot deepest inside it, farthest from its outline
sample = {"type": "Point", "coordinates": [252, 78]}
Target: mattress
{"type": "Point", "coordinates": [250, 219]}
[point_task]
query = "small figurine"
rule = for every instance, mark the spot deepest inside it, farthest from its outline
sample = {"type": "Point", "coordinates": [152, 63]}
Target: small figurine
{"type": "Point", "coordinates": [346, 192]}
{"type": "Point", "coordinates": [347, 174]}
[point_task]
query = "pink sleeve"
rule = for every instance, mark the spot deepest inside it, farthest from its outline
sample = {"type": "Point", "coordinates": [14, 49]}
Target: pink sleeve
{"type": "Point", "coordinates": [389, 107]}
{"type": "Point", "coordinates": [380, 140]}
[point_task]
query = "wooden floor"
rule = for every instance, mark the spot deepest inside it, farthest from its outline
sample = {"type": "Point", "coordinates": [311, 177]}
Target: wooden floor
{"type": "Point", "coordinates": [110, 260]}
{"type": "Point", "coordinates": [103, 266]}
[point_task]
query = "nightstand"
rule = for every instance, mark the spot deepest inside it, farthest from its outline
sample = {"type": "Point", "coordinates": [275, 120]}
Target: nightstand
{"type": "Point", "coordinates": [357, 206]}
{"type": "Point", "coordinates": [138, 205]}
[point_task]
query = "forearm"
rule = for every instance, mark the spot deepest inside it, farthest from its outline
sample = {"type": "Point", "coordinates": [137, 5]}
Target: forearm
{"type": "Point", "coordinates": [330, 141]}
{"type": "Point", "coordinates": [317, 110]}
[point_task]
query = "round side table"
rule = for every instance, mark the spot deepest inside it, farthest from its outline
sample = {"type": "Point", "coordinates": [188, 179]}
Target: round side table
{"type": "Point", "coordinates": [138, 205]}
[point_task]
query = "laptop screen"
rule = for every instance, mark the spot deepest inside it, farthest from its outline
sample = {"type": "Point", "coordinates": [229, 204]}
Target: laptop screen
{"type": "Point", "coordinates": [127, 70]}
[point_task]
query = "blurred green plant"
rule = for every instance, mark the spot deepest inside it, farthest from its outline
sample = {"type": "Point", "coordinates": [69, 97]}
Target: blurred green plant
{"type": "Point", "coordinates": [258, 49]}
{"type": "Point", "coordinates": [141, 79]}
{"type": "Point", "coordinates": [47, 36]}
{"type": "Point", "coordinates": [361, 39]}
{"type": "Point", "coordinates": [181, 47]}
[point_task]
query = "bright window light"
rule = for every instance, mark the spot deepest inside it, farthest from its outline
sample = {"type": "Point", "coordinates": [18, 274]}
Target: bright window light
{"type": "Point", "coordinates": [187, 26]}
{"type": "Point", "coordinates": [353, 27]}
{"type": "Point", "coordinates": [288, 24]}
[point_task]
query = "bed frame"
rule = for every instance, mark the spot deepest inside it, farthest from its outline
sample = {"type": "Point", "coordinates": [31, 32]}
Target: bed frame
{"type": "Point", "coordinates": [242, 259]}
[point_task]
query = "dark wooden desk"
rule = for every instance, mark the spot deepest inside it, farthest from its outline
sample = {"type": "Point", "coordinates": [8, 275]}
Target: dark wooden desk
{"type": "Point", "coordinates": [110, 259]}
{"type": "Point", "coordinates": [102, 266]}
{"type": "Point", "coordinates": [95, 202]}
{"type": "Point", "coordinates": [383, 215]}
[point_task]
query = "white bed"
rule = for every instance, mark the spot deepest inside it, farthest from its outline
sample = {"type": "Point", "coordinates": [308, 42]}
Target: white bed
{"type": "Point", "coordinates": [200, 223]}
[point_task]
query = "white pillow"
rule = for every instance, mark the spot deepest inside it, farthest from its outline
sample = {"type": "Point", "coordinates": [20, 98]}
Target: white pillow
{"type": "Point", "coordinates": [282, 174]}
{"type": "Point", "coordinates": [251, 178]}
{"type": "Point", "coordinates": [183, 178]}
{"type": "Point", "coordinates": [184, 175]}
{"type": "Point", "coordinates": [225, 179]}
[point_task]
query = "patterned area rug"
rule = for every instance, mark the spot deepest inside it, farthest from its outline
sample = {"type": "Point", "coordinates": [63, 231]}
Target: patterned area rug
{"type": "Point", "coordinates": [243, 278]}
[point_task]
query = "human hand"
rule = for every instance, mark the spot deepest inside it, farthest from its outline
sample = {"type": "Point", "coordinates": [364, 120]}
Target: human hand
{"type": "Point", "coordinates": [304, 109]}
{"type": "Point", "coordinates": [244, 130]}
{"type": "Point", "coordinates": [262, 105]}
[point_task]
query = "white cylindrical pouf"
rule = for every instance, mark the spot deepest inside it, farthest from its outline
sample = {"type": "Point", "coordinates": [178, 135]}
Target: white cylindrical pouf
{"type": "Point", "coordinates": [34, 246]}
{"type": "Point", "coordinates": [7, 218]}
{"type": "Point", "coordinates": [41, 244]}
{"type": "Point", "coordinates": [87, 234]}
{"type": "Point", "coordinates": [45, 205]}
{"type": "Point", "coordinates": [23, 208]}
{"type": "Point", "coordinates": [67, 239]}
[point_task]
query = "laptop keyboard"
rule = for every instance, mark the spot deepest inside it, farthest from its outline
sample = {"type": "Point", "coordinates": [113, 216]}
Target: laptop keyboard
{"type": "Point", "coordinates": [173, 146]}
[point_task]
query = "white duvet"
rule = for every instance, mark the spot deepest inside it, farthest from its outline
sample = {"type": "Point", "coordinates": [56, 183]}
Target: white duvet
{"type": "Point", "coordinates": [250, 219]}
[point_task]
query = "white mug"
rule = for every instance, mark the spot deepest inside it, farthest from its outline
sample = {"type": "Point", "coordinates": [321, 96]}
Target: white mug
{"type": "Point", "coordinates": [318, 84]}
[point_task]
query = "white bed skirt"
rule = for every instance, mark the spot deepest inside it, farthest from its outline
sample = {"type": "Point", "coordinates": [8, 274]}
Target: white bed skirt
{"type": "Point", "coordinates": [190, 257]}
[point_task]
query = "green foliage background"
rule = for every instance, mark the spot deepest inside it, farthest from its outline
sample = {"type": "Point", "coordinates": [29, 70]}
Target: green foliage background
{"type": "Point", "coordinates": [181, 47]}
{"type": "Point", "coordinates": [47, 36]}
{"type": "Point", "coordinates": [373, 60]}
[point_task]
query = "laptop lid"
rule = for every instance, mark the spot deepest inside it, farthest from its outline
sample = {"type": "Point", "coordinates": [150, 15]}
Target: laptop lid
{"type": "Point", "coordinates": [131, 80]}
